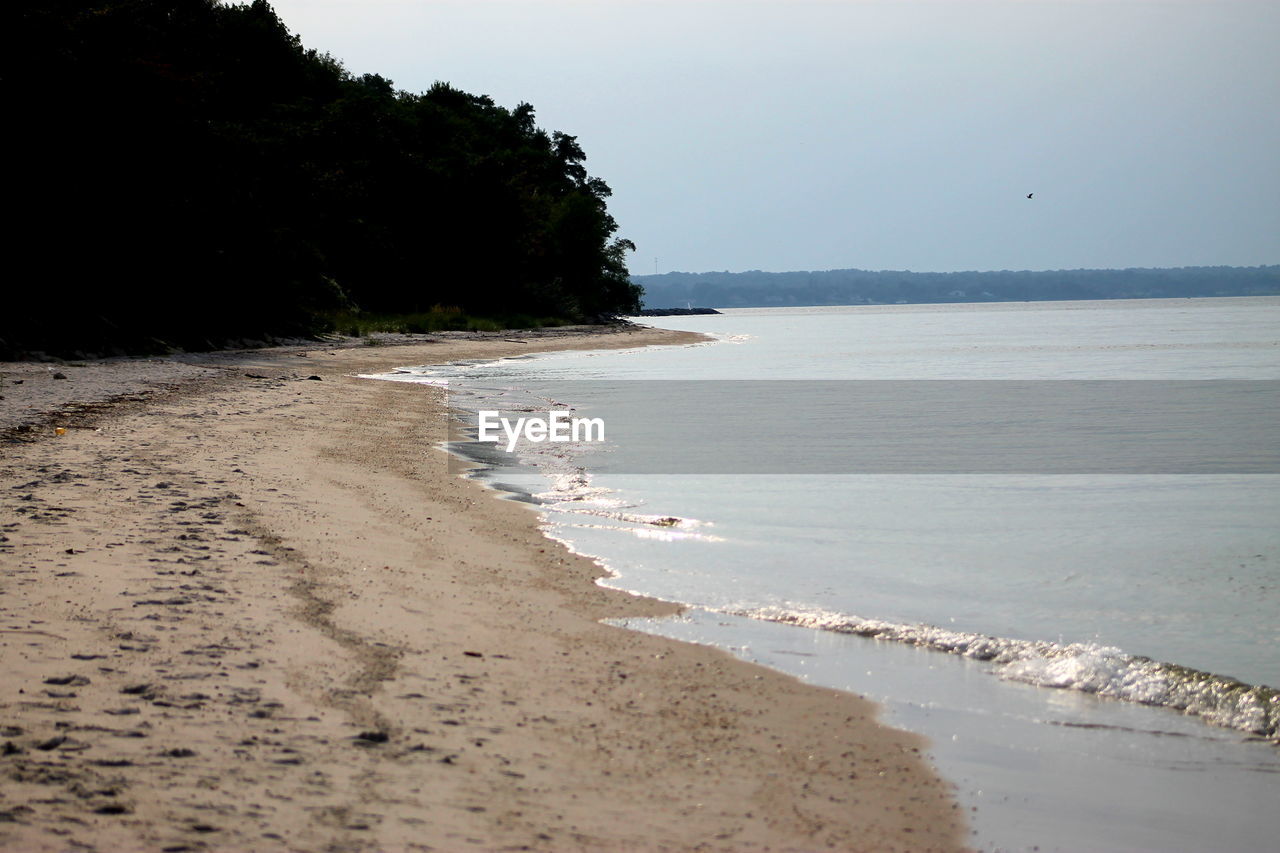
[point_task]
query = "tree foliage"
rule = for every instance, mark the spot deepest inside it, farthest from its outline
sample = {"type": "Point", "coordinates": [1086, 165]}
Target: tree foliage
{"type": "Point", "coordinates": [187, 171]}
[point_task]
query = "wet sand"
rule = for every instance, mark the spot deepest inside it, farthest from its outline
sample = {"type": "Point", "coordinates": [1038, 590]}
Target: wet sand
{"type": "Point", "coordinates": [242, 608]}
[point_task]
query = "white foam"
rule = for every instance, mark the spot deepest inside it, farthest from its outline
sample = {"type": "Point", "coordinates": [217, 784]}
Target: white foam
{"type": "Point", "coordinates": [1086, 667]}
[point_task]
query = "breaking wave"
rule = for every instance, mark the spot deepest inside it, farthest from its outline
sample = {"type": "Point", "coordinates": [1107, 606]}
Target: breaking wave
{"type": "Point", "coordinates": [1086, 667]}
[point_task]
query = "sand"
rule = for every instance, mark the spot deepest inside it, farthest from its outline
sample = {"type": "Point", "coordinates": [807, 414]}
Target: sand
{"type": "Point", "coordinates": [244, 609]}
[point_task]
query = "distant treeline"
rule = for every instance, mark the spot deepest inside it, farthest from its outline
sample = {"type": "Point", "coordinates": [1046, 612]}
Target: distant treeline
{"type": "Point", "coordinates": [676, 312]}
{"type": "Point", "coordinates": [856, 287]}
{"type": "Point", "coordinates": [185, 172]}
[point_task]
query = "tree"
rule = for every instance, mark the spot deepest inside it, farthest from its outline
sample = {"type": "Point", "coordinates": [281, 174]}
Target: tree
{"type": "Point", "coordinates": [194, 174]}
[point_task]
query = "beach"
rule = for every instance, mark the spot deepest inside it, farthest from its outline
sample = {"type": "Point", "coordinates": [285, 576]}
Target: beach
{"type": "Point", "coordinates": [246, 605]}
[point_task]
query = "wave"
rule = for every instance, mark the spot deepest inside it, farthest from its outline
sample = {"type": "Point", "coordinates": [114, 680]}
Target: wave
{"type": "Point", "coordinates": [1086, 667]}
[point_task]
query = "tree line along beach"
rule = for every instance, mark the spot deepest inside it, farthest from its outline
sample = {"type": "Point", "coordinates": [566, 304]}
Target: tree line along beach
{"type": "Point", "coordinates": [248, 601]}
{"type": "Point", "coordinates": [245, 605]}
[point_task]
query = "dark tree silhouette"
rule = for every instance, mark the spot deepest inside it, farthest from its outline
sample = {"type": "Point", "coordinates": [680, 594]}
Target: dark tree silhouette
{"type": "Point", "coordinates": [187, 173]}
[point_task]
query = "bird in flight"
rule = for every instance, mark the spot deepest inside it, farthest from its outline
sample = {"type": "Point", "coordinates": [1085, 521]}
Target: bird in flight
{"type": "Point", "coordinates": [1029, 195]}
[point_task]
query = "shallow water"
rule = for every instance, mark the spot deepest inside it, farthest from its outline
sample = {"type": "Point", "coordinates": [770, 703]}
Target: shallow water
{"type": "Point", "coordinates": [1107, 584]}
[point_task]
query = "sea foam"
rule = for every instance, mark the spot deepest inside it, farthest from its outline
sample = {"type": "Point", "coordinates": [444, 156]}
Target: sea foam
{"type": "Point", "coordinates": [1086, 667]}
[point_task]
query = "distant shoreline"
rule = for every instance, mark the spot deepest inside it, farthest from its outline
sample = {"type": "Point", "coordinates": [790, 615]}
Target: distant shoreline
{"type": "Point", "coordinates": [675, 312]}
{"type": "Point", "coordinates": [757, 289]}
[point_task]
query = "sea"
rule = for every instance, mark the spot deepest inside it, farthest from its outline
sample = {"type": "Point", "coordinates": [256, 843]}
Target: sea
{"type": "Point", "coordinates": [1044, 535]}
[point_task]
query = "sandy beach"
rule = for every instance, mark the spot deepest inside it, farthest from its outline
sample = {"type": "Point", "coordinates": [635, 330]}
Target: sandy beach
{"type": "Point", "coordinates": [245, 606]}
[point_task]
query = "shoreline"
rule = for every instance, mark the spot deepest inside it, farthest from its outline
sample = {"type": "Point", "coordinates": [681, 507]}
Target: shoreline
{"type": "Point", "coordinates": [254, 610]}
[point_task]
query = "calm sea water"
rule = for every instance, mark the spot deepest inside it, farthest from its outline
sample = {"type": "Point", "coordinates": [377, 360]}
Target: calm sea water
{"type": "Point", "coordinates": [1093, 655]}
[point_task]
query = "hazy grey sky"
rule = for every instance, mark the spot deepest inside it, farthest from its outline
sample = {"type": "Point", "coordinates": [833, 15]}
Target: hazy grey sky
{"type": "Point", "coordinates": [879, 134]}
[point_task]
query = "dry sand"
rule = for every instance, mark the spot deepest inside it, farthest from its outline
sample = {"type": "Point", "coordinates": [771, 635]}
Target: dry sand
{"type": "Point", "coordinates": [258, 613]}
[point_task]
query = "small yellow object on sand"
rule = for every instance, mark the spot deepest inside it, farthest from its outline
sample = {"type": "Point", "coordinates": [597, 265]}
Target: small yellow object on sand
{"type": "Point", "coordinates": [59, 430]}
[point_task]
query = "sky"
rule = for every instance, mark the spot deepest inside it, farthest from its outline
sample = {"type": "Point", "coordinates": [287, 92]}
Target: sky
{"type": "Point", "coordinates": [877, 134]}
